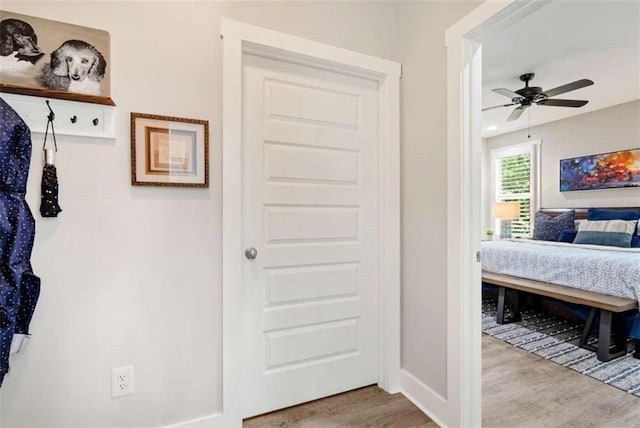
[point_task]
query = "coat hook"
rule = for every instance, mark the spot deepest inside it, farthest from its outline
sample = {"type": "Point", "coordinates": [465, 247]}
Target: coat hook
{"type": "Point", "coordinates": [74, 119]}
{"type": "Point", "coordinates": [51, 115]}
{"type": "Point", "coordinates": [95, 122]}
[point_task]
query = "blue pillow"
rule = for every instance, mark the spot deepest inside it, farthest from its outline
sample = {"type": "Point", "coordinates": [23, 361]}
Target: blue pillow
{"type": "Point", "coordinates": [635, 242]}
{"type": "Point", "coordinates": [614, 233]}
{"type": "Point", "coordinates": [604, 214]}
{"type": "Point", "coordinates": [567, 235]}
{"type": "Point", "coordinates": [547, 228]}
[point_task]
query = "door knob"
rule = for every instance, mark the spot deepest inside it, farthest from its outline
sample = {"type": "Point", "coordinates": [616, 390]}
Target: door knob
{"type": "Point", "coordinates": [251, 253]}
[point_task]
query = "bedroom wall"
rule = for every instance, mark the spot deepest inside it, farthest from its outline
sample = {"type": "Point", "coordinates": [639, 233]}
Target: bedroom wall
{"type": "Point", "coordinates": [600, 131]}
{"type": "Point", "coordinates": [131, 275]}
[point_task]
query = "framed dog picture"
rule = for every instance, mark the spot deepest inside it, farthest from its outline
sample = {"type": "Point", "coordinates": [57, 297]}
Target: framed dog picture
{"type": "Point", "coordinates": [41, 57]}
{"type": "Point", "coordinates": [169, 151]}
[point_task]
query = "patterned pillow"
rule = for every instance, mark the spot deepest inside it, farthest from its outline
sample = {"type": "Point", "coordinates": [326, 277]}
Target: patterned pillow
{"type": "Point", "coordinates": [548, 228]}
{"type": "Point", "coordinates": [614, 233]}
{"type": "Point", "coordinates": [605, 214]}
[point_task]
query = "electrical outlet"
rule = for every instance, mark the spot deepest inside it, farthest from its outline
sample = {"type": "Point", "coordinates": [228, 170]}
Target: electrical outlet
{"type": "Point", "coordinates": [121, 381]}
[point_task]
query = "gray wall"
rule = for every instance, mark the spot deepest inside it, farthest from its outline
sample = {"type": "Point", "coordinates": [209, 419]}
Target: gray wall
{"type": "Point", "coordinates": [424, 196]}
{"type": "Point", "coordinates": [600, 131]}
{"type": "Point", "coordinates": [132, 275]}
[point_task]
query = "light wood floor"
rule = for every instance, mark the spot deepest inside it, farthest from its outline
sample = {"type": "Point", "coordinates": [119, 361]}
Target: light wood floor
{"type": "Point", "coordinates": [520, 389]}
{"type": "Point", "coordinates": [364, 407]}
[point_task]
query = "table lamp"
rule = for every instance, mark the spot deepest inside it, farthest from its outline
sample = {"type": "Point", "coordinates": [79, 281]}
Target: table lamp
{"type": "Point", "coordinates": [505, 212]}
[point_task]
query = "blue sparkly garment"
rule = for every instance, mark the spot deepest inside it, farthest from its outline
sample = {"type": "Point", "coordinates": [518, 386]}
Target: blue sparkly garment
{"type": "Point", "coordinates": [19, 287]}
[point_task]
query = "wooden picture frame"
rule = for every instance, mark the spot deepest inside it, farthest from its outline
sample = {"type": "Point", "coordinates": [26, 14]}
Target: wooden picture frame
{"type": "Point", "coordinates": [169, 151]}
{"type": "Point", "coordinates": [45, 58]}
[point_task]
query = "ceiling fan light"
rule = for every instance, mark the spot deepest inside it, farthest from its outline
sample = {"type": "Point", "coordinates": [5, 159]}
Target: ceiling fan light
{"type": "Point", "coordinates": [531, 95]}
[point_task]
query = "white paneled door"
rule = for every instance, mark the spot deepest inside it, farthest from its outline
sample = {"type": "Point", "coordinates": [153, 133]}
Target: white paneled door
{"type": "Point", "coordinates": [310, 189]}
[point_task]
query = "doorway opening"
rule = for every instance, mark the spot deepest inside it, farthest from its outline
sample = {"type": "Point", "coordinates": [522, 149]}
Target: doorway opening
{"type": "Point", "coordinates": [468, 42]}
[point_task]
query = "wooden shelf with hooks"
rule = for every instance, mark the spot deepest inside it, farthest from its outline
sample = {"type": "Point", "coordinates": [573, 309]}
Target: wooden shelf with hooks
{"type": "Point", "coordinates": [72, 118]}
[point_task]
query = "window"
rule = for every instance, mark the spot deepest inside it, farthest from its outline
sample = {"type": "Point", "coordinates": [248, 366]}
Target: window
{"type": "Point", "coordinates": [515, 172]}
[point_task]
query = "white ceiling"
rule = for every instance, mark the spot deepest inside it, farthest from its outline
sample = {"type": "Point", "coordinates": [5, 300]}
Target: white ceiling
{"type": "Point", "coordinates": [562, 42]}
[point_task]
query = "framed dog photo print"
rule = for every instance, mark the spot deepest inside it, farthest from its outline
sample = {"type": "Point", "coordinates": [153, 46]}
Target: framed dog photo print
{"type": "Point", "coordinates": [41, 57]}
{"type": "Point", "coordinates": [169, 151]}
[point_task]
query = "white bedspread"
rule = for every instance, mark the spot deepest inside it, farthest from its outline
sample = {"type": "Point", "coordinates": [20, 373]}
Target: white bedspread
{"type": "Point", "coordinates": [606, 270]}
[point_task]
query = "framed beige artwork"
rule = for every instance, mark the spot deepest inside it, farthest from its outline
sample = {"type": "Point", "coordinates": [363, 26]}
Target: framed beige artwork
{"type": "Point", "coordinates": [169, 151]}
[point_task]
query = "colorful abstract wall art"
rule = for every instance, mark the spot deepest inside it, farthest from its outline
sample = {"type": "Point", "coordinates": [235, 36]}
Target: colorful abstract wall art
{"type": "Point", "coordinates": [603, 171]}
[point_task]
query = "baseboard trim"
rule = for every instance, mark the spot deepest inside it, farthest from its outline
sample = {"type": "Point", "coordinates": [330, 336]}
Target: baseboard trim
{"type": "Point", "coordinates": [217, 420]}
{"type": "Point", "coordinates": [426, 399]}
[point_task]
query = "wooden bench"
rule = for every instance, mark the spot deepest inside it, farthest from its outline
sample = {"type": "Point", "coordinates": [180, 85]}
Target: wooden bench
{"type": "Point", "coordinates": [610, 308]}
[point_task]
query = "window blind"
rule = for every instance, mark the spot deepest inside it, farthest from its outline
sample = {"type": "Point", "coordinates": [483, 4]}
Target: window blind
{"type": "Point", "coordinates": [513, 183]}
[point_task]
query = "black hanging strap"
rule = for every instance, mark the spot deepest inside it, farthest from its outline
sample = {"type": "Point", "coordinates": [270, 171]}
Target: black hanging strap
{"type": "Point", "coordinates": [50, 118]}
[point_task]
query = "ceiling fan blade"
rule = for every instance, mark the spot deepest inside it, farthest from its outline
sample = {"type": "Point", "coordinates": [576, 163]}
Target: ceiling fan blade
{"type": "Point", "coordinates": [515, 114]}
{"type": "Point", "coordinates": [507, 93]}
{"type": "Point", "coordinates": [503, 105]}
{"type": "Point", "coordinates": [562, 103]}
{"type": "Point", "coordinates": [568, 87]}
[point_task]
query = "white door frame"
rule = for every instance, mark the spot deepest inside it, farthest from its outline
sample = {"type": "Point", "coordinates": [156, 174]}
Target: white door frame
{"type": "Point", "coordinates": [464, 118]}
{"type": "Point", "coordinates": [239, 38]}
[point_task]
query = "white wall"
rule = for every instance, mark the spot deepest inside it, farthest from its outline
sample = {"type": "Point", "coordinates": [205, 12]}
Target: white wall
{"type": "Point", "coordinates": [600, 131]}
{"type": "Point", "coordinates": [132, 275]}
{"type": "Point", "coordinates": [424, 198]}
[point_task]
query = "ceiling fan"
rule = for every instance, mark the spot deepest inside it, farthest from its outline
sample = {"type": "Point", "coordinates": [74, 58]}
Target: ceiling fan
{"type": "Point", "coordinates": [530, 95]}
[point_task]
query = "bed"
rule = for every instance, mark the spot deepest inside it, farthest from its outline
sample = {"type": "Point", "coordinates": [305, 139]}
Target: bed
{"type": "Point", "coordinates": [585, 274]}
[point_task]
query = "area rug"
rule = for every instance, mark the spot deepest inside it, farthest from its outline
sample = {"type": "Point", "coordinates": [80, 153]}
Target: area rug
{"type": "Point", "coordinates": [557, 340]}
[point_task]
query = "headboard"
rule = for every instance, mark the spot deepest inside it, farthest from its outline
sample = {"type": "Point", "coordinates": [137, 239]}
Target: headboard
{"type": "Point", "coordinates": [581, 213]}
